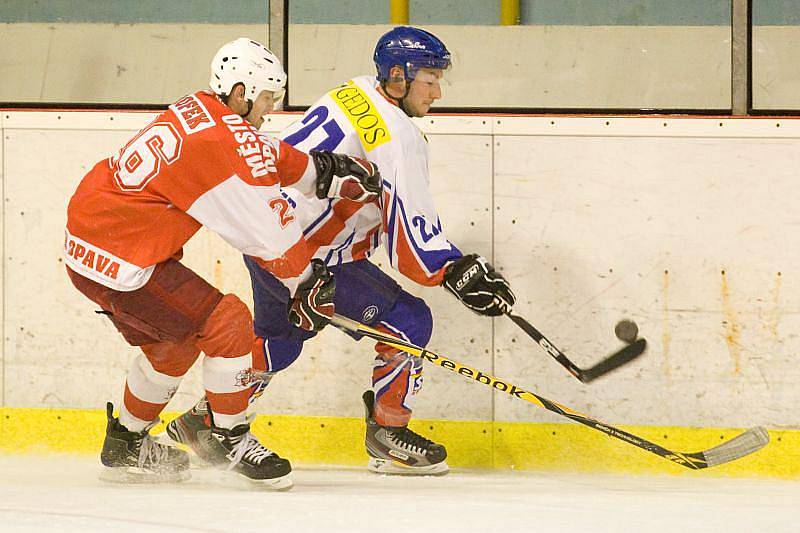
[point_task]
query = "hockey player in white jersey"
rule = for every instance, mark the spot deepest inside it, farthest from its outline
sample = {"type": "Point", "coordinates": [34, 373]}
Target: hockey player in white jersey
{"type": "Point", "coordinates": [369, 117]}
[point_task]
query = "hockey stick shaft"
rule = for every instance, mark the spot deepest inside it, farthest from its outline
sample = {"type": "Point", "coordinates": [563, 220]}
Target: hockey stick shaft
{"type": "Point", "coordinates": [546, 345]}
{"type": "Point", "coordinates": [694, 461]}
{"type": "Point", "coordinates": [614, 361]}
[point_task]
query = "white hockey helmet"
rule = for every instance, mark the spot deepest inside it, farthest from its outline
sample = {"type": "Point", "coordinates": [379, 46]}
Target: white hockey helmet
{"type": "Point", "coordinates": [250, 63]}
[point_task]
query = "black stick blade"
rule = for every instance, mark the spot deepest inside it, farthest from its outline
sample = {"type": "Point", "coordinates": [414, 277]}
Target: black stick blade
{"type": "Point", "coordinates": [614, 361]}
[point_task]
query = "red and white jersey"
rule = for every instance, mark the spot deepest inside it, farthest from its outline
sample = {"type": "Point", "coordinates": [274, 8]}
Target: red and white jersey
{"type": "Point", "coordinates": [197, 164]}
{"type": "Point", "coordinates": [356, 119]}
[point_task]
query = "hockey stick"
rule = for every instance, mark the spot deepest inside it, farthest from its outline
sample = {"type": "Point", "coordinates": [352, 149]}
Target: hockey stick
{"type": "Point", "coordinates": [744, 444]}
{"type": "Point", "coordinates": [586, 375]}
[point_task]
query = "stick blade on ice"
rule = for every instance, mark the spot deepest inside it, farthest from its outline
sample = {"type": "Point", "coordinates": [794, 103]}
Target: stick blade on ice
{"type": "Point", "coordinates": [748, 442]}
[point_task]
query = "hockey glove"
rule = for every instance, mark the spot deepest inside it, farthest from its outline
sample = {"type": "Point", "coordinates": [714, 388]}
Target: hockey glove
{"type": "Point", "coordinates": [474, 281]}
{"type": "Point", "coordinates": [343, 176]}
{"type": "Point", "coordinates": [312, 306]}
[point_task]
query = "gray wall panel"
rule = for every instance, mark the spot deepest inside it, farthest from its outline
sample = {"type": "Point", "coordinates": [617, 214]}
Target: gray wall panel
{"type": "Point", "coordinates": [776, 70]}
{"type": "Point", "coordinates": [127, 12]}
{"type": "Point", "coordinates": [110, 63]}
{"type": "Point", "coordinates": [565, 66]}
{"type": "Point", "coordinates": [535, 12]}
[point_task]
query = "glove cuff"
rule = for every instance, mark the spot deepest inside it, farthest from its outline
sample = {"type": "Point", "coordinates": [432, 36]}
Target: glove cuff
{"type": "Point", "coordinates": [324, 164]}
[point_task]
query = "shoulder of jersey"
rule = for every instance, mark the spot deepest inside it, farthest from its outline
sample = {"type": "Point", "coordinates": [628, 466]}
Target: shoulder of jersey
{"type": "Point", "coordinates": [387, 109]}
{"type": "Point", "coordinates": [394, 116]}
{"type": "Point", "coordinates": [377, 121]}
{"type": "Point", "coordinates": [198, 112]}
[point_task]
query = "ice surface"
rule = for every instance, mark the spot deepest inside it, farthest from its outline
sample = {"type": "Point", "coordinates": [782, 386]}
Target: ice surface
{"type": "Point", "coordinates": [62, 493]}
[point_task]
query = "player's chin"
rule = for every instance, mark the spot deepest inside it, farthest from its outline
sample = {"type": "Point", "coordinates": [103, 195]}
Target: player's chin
{"type": "Point", "coordinates": [422, 110]}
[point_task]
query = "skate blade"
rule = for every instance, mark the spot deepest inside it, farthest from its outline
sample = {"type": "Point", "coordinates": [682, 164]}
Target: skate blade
{"type": "Point", "coordinates": [195, 461]}
{"type": "Point", "coordinates": [393, 468]}
{"type": "Point", "coordinates": [235, 480]}
{"type": "Point", "coordinates": [280, 484]}
{"type": "Point", "coordinates": [135, 475]}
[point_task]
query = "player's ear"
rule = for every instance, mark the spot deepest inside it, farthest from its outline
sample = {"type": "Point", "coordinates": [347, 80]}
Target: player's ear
{"type": "Point", "coordinates": [238, 92]}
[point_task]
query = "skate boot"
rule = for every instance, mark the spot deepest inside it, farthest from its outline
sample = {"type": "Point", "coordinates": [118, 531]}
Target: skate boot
{"type": "Point", "coordinates": [245, 455]}
{"type": "Point", "coordinates": [219, 447]}
{"type": "Point", "coordinates": [193, 429]}
{"type": "Point", "coordinates": [130, 457]}
{"type": "Point", "coordinates": [398, 450]}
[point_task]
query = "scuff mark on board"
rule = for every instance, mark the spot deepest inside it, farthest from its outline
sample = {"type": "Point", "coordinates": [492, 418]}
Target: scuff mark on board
{"type": "Point", "coordinates": [731, 325]}
{"type": "Point", "coordinates": [774, 315]}
{"type": "Point", "coordinates": [666, 336]}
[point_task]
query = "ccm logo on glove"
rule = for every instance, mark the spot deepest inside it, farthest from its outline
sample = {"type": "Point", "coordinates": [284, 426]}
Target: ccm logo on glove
{"type": "Point", "coordinates": [467, 276]}
{"type": "Point", "coordinates": [478, 286]}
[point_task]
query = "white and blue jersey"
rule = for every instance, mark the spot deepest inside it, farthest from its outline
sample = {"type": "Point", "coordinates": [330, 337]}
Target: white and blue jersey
{"type": "Point", "coordinates": [357, 120]}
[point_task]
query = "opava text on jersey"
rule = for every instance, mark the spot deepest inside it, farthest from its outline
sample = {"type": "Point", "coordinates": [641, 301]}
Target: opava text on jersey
{"type": "Point", "coordinates": [91, 257]}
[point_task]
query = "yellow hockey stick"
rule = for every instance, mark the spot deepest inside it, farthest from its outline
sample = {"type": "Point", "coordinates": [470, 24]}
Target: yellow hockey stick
{"type": "Point", "coordinates": [743, 444]}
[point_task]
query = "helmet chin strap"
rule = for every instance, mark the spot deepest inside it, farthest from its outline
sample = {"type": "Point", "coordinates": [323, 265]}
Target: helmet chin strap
{"type": "Point", "coordinates": [249, 108]}
{"type": "Point", "coordinates": [401, 102]}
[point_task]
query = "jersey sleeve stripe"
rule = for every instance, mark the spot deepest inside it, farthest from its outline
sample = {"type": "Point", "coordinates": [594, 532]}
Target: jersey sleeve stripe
{"type": "Point", "coordinates": [362, 247]}
{"type": "Point", "coordinates": [308, 230]}
{"type": "Point", "coordinates": [391, 230]}
{"type": "Point", "coordinates": [430, 261]}
{"type": "Point", "coordinates": [328, 231]}
{"type": "Point", "coordinates": [409, 265]}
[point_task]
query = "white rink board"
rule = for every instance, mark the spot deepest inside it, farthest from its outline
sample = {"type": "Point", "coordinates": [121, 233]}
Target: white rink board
{"type": "Point", "coordinates": [58, 352]}
{"type": "Point", "coordinates": [644, 228]}
{"type": "Point", "coordinates": [2, 270]}
{"type": "Point", "coordinates": [584, 215]}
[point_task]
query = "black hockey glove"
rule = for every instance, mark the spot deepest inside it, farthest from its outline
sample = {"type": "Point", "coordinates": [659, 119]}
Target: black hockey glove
{"type": "Point", "coordinates": [474, 281]}
{"type": "Point", "coordinates": [312, 306]}
{"type": "Point", "coordinates": [344, 176]}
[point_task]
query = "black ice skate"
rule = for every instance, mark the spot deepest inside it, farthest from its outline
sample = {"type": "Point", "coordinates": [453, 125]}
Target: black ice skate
{"type": "Point", "coordinates": [236, 449]}
{"type": "Point", "coordinates": [400, 450]}
{"type": "Point", "coordinates": [251, 459]}
{"type": "Point", "coordinates": [193, 429]}
{"type": "Point", "coordinates": [130, 457]}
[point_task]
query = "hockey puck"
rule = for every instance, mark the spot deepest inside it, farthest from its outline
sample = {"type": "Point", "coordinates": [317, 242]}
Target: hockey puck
{"type": "Point", "coordinates": [626, 331]}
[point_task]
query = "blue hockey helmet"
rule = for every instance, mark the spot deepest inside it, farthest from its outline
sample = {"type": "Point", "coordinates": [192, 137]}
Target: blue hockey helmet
{"type": "Point", "coordinates": [411, 48]}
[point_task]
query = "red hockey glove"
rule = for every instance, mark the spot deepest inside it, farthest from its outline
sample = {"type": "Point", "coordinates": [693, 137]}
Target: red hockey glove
{"type": "Point", "coordinates": [312, 306]}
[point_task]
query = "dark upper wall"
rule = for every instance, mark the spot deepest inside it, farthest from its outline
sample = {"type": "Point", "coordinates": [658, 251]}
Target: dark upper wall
{"type": "Point", "coordinates": [486, 12]}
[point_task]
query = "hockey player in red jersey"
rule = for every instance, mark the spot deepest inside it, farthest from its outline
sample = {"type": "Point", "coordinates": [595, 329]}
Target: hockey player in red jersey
{"type": "Point", "coordinates": [202, 162]}
{"type": "Point", "coordinates": [369, 117]}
